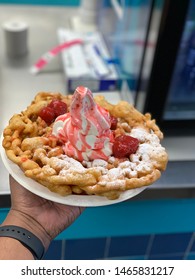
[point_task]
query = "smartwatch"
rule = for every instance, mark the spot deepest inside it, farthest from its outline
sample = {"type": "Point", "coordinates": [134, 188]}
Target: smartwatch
{"type": "Point", "coordinates": [27, 238]}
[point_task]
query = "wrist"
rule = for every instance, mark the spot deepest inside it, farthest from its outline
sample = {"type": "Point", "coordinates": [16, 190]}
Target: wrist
{"type": "Point", "coordinates": [23, 220]}
{"type": "Point", "coordinates": [12, 249]}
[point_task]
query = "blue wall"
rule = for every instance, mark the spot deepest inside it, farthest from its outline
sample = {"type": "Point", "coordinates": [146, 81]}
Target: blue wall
{"type": "Point", "coordinates": [145, 229]}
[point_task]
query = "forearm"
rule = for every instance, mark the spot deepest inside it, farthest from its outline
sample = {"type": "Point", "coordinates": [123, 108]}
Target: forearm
{"type": "Point", "coordinates": [11, 248]}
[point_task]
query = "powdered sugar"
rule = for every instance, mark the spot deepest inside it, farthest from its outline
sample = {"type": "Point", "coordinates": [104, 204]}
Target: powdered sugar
{"type": "Point", "coordinates": [142, 162]}
{"type": "Point", "coordinates": [66, 163]}
{"type": "Point", "coordinates": [99, 162]}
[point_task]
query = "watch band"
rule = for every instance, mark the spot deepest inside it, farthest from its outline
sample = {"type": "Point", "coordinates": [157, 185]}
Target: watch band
{"type": "Point", "coordinates": [27, 238]}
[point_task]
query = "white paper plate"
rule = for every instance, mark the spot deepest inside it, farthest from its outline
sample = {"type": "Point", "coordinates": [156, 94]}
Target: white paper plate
{"type": "Point", "coordinates": [75, 200]}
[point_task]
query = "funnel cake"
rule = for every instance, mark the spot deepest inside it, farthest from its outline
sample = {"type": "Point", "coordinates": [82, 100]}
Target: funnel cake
{"type": "Point", "coordinates": [73, 148]}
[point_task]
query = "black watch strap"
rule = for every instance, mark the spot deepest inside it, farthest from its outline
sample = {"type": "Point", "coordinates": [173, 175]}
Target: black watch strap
{"type": "Point", "coordinates": [27, 238]}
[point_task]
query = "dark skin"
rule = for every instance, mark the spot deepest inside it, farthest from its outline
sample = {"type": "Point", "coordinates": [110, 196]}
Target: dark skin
{"type": "Point", "coordinates": [46, 219]}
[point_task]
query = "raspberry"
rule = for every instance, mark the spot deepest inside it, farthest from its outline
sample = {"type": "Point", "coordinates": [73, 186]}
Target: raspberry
{"type": "Point", "coordinates": [113, 122]}
{"type": "Point", "coordinates": [47, 114]}
{"type": "Point", "coordinates": [124, 146]}
{"type": "Point", "coordinates": [59, 107]}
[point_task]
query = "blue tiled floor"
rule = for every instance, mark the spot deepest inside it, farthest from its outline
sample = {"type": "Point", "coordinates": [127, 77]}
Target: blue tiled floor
{"type": "Point", "coordinates": [128, 246]}
{"type": "Point", "coordinates": [128, 258]}
{"type": "Point", "coordinates": [144, 247]}
{"type": "Point", "coordinates": [193, 245]}
{"type": "Point", "coordinates": [191, 256]}
{"type": "Point", "coordinates": [166, 257]}
{"type": "Point", "coordinates": [85, 249]}
{"type": "Point", "coordinates": [55, 251]}
{"type": "Point", "coordinates": [170, 243]}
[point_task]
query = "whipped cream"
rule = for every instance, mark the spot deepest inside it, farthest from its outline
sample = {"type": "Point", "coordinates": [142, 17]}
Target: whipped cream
{"type": "Point", "coordinates": [85, 130]}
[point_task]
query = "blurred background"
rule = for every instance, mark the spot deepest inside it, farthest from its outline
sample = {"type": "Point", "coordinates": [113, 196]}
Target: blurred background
{"type": "Point", "coordinates": [144, 52]}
